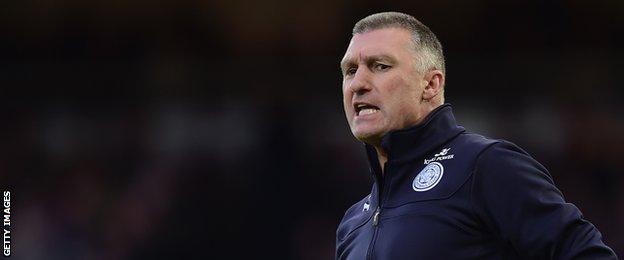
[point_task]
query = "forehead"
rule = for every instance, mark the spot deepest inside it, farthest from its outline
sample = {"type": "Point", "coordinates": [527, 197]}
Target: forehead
{"type": "Point", "coordinates": [387, 41]}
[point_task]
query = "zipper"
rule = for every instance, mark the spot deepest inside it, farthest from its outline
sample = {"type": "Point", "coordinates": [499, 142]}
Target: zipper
{"type": "Point", "coordinates": [376, 216]}
{"type": "Point", "coordinates": [381, 193]}
{"type": "Point", "coordinates": [369, 254]}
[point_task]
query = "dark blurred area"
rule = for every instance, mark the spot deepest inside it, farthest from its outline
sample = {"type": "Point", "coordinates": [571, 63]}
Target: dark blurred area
{"type": "Point", "coordinates": [214, 129]}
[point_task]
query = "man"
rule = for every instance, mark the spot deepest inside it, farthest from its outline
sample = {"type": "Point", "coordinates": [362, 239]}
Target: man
{"type": "Point", "coordinates": [440, 192]}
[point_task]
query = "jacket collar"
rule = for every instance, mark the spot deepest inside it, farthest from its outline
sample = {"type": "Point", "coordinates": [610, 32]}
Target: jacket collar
{"type": "Point", "coordinates": [415, 142]}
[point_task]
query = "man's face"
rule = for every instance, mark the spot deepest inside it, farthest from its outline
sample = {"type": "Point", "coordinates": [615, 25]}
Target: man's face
{"type": "Point", "coordinates": [382, 87]}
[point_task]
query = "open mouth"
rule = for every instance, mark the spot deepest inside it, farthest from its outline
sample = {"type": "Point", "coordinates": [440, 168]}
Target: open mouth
{"type": "Point", "coordinates": [362, 109]}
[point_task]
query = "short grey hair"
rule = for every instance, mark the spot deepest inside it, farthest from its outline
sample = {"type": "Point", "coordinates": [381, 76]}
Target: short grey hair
{"type": "Point", "coordinates": [428, 47]}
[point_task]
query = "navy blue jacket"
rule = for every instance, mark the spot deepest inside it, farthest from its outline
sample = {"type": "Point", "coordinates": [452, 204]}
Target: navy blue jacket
{"type": "Point", "coordinates": [450, 194]}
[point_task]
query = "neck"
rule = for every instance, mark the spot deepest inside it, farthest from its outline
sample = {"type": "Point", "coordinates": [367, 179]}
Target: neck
{"type": "Point", "coordinates": [382, 156]}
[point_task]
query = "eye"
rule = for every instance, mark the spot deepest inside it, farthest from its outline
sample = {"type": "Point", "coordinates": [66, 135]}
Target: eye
{"type": "Point", "coordinates": [350, 71]}
{"type": "Point", "coordinates": [381, 67]}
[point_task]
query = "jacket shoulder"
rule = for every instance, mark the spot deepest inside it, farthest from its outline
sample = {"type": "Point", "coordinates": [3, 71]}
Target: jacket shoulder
{"type": "Point", "coordinates": [476, 140]}
{"type": "Point", "coordinates": [356, 216]}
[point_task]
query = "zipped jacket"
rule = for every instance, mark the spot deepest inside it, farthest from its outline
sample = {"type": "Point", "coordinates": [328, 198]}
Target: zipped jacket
{"type": "Point", "coordinates": [450, 194]}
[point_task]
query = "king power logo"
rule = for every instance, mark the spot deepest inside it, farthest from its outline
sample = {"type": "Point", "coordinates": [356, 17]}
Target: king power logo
{"type": "Point", "coordinates": [443, 152]}
{"type": "Point", "coordinates": [442, 155]}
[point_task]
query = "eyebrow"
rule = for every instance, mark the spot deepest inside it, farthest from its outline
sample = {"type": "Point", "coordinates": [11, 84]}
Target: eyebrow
{"type": "Point", "coordinates": [367, 59]}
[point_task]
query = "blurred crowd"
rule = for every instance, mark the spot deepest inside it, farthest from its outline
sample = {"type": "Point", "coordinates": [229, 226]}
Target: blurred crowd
{"type": "Point", "coordinates": [214, 129]}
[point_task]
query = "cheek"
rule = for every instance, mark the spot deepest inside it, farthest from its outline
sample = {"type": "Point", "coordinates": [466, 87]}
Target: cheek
{"type": "Point", "coordinates": [346, 100]}
{"type": "Point", "coordinates": [403, 98]}
{"type": "Point", "coordinates": [394, 91]}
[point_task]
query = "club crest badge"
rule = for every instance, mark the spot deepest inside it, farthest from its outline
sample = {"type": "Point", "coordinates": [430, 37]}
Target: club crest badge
{"type": "Point", "coordinates": [428, 177]}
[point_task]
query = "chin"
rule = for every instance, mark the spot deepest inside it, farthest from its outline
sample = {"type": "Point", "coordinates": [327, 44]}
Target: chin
{"type": "Point", "coordinates": [369, 137]}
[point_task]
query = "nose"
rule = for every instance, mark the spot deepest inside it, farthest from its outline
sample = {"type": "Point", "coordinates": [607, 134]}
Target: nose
{"type": "Point", "coordinates": [360, 83]}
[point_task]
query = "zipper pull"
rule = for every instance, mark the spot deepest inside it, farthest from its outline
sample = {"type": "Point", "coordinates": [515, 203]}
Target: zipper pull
{"type": "Point", "coordinates": [376, 216]}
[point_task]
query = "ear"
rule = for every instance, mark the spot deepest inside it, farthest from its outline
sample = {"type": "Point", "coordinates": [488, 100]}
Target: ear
{"type": "Point", "coordinates": [434, 81]}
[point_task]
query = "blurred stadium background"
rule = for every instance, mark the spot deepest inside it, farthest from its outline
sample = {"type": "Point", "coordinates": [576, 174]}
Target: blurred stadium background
{"type": "Point", "coordinates": [214, 129]}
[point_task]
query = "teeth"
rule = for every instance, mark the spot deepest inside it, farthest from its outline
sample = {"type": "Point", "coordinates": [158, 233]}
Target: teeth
{"type": "Point", "coordinates": [367, 111]}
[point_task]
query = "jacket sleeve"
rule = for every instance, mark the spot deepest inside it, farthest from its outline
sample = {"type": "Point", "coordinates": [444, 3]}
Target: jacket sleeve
{"type": "Point", "coordinates": [517, 200]}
